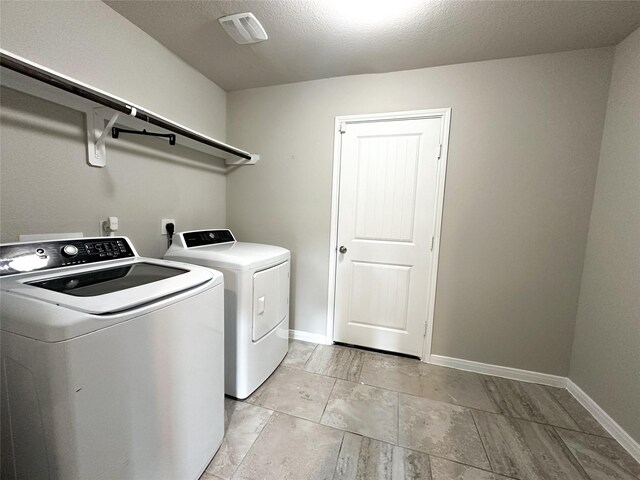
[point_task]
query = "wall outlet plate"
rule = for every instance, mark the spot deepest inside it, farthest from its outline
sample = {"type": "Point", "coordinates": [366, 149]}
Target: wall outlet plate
{"type": "Point", "coordinates": [163, 225]}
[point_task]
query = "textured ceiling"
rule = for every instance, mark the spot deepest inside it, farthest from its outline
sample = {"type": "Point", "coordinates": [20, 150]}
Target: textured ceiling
{"type": "Point", "coordinates": [311, 39]}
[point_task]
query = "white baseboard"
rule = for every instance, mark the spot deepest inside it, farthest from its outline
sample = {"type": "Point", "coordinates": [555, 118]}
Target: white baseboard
{"type": "Point", "coordinates": [616, 431]}
{"type": "Point", "coordinates": [499, 371]}
{"type": "Point", "coordinates": [309, 337]}
{"type": "Point", "coordinates": [610, 425]}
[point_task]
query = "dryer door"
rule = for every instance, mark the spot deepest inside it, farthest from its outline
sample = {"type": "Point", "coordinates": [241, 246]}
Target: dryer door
{"type": "Point", "coordinates": [270, 299]}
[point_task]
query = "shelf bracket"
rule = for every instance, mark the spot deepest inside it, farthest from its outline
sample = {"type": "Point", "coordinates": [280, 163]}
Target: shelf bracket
{"type": "Point", "coordinates": [235, 161]}
{"type": "Point", "coordinates": [97, 135]}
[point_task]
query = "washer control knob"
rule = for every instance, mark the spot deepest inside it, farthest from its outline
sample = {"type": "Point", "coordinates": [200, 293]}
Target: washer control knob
{"type": "Point", "coordinates": [69, 250]}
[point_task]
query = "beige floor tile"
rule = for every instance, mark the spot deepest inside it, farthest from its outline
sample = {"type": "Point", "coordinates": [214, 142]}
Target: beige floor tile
{"type": "Point", "coordinates": [291, 448]}
{"type": "Point", "coordinates": [299, 353]}
{"type": "Point", "coordinates": [602, 458]}
{"type": "Point", "coordinates": [363, 458]}
{"type": "Point", "coordinates": [442, 469]}
{"type": "Point", "coordinates": [336, 361]}
{"type": "Point", "coordinates": [294, 391]}
{"type": "Point", "coordinates": [368, 411]}
{"type": "Point", "coordinates": [531, 401]}
{"type": "Point", "coordinates": [578, 413]}
{"type": "Point", "coordinates": [440, 429]}
{"type": "Point", "coordinates": [391, 372]}
{"type": "Point", "coordinates": [243, 424]}
{"type": "Point", "coordinates": [526, 450]}
{"type": "Point", "coordinates": [459, 387]}
{"type": "Point", "coordinates": [368, 430]}
{"type": "Point", "coordinates": [210, 476]}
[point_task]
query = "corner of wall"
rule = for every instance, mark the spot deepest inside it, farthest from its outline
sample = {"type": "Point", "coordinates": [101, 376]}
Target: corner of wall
{"type": "Point", "coordinates": [611, 51]}
{"type": "Point", "coordinates": [605, 358]}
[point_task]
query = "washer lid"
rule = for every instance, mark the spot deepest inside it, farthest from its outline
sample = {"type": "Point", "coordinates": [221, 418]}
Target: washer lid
{"type": "Point", "coordinates": [232, 256]}
{"type": "Point", "coordinates": [108, 280]}
{"type": "Point", "coordinates": [120, 286]}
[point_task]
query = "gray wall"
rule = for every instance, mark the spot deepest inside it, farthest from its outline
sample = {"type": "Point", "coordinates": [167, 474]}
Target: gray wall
{"type": "Point", "coordinates": [524, 146]}
{"type": "Point", "coordinates": [606, 353]}
{"type": "Point", "coordinates": [46, 185]}
{"type": "Point", "coordinates": [89, 41]}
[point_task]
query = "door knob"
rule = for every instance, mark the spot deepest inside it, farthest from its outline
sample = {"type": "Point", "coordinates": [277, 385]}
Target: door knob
{"type": "Point", "coordinates": [342, 249]}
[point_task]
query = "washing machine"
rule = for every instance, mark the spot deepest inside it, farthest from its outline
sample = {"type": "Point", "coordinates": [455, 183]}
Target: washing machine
{"type": "Point", "coordinates": [256, 302]}
{"type": "Point", "coordinates": [112, 364]}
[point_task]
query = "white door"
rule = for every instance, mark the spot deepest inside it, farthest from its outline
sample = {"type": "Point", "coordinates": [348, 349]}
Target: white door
{"type": "Point", "coordinates": [386, 225]}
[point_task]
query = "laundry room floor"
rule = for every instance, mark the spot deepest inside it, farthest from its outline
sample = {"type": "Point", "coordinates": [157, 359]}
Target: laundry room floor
{"type": "Point", "coordinates": [331, 412]}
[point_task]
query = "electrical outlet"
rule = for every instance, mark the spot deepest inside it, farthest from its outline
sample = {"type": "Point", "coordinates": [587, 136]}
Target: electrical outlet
{"type": "Point", "coordinates": [108, 227]}
{"type": "Point", "coordinates": [163, 225]}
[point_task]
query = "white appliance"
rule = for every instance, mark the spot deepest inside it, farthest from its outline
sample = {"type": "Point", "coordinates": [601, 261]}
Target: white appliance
{"type": "Point", "coordinates": [112, 364]}
{"type": "Point", "coordinates": [256, 302]}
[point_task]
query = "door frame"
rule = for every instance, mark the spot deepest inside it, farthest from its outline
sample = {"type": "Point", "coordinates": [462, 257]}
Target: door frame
{"type": "Point", "coordinates": [445, 115]}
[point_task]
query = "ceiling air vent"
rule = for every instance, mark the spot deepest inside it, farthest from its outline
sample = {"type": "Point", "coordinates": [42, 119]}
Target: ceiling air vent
{"type": "Point", "coordinates": [243, 28]}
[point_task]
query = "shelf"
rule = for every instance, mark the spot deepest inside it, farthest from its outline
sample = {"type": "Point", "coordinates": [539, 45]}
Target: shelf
{"type": "Point", "coordinates": [104, 110]}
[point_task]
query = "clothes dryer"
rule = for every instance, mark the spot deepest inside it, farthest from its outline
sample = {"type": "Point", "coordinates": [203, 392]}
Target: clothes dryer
{"type": "Point", "coordinates": [256, 302]}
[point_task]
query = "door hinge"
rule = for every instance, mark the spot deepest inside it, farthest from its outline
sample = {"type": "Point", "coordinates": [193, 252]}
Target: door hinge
{"type": "Point", "coordinates": [439, 151]}
{"type": "Point", "coordinates": [433, 239]}
{"type": "Point", "coordinates": [424, 334]}
{"type": "Point", "coordinates": [342, 128]}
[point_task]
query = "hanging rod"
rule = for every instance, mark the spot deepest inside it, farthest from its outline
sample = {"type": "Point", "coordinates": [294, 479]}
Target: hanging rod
{"type": "Point", "coordinates": [115, 133]}
{"type": "Point", "coordinates": [55, 79]}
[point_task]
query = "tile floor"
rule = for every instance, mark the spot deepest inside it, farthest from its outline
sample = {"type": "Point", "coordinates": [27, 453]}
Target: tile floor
{"type": "Point", "coordinates": [331, 412]}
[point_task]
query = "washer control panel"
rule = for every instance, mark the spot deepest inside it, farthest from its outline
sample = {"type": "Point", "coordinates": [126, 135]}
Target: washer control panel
{"type": "Point", "coordinates": [36, 256]}
{"type": "Point", "coordinates": [207, 237]}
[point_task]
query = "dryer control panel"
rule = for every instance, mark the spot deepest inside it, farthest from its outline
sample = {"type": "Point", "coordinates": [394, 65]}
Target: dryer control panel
{"type": "Point", "coordinates": [35, 256]}
{"type": "Point", "coordinates": [207, 237]}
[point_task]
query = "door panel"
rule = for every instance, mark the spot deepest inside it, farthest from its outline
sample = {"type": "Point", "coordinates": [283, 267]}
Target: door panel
{"type": "Point", "coordinates": [380, 295]}
{"type": "Point", "coordinates": [270, 299]}
{"type": "Point", "coordinates": [386, 187]}
{"type": "Point", "coordinates": [386, 219]}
